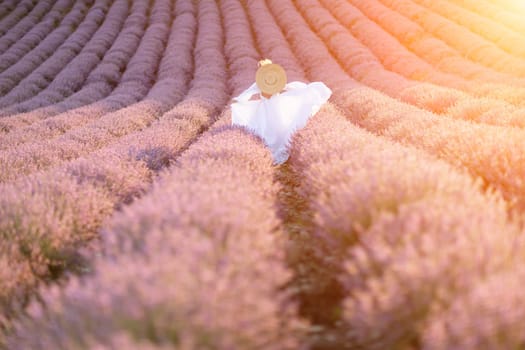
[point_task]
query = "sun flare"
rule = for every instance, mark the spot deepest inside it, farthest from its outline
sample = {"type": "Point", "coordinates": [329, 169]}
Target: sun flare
{"type": "Point", "coordinates": [513, 5]}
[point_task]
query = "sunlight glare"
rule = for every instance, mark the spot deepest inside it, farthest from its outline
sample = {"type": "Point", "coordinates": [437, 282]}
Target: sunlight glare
{"type": "Point", "coordinates": [516, 5]}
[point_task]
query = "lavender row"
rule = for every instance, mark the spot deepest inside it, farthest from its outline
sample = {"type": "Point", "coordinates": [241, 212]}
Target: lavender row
{"type": "Point", "coordinates": [487, 316]}
{"type": "Point", "coordinates": [14, 68]}
{"type": "Point", "coordinates": [24, 25]}
{"type": "Point", "coordinates": [6, 7]}
{"type": "Point", "coordinates": [237, 245]}
{"type": "Point", "coordinates": [467, 43]}
{"type": "Point", "coordinates": [392, 54]}
{"type": "Point", "coordinates": [271, 40]}
{"type": "Point", "coordinates": [310, 278]}
{"type": "Point", "coordinates": [429, 48]}
{"type": "Point", "coordinates": [326, 129]}
{"type": "Point", "coordinates": [495, 12]}
{"type": "Point", "coordinates": [18, 13]}
{"type": "Point", "coordinates": [39, 155]}
{"type": "Point", "coordinates": [354, 57]}
{"type": "Point", "coordinates": [38, 32]}
{"type": "Point", "coordinates": [446, 101]}
{"type": "Point", "coordinates": [480, 110]}
{"type": "Point", "coordinates": [306, 45]}
{"type": "Point", "coordinates": [72, 77]}
{"type": "Point", "coordinates": [69, 203]}
{"type": "Point", "coordinates": [492, 31]}
{"type": "Point", "coordinates": [209, 259]}
{"type": "Point", "coordinates": [122, 171]}
{"type": "Point", "coordinates": [489, 152]}
{"type": "Point", "coordinates": [44, 75]}
{"type": "Point", "coordinates": [508, 6]}
{"type": "Point", "coordinates": [103, 78]}
{"type": "Point", "coordinates": [396, 57]}
{"type": "Point", "coordinates": [239, 46]}
{"type": "Point", "coordinates": [367, 69]}
{"type": "Point", "coordinates": [440, 100]}
{"type": "Point", "coordinates": [382, 227]}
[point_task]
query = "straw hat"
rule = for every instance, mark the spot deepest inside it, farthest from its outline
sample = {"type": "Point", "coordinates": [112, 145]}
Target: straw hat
{"type": "Point", "coordinates": [270, 77]}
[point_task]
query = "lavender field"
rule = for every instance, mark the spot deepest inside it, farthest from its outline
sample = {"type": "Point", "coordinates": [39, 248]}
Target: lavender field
{"type": "Point", "coordinates": [133, 215]}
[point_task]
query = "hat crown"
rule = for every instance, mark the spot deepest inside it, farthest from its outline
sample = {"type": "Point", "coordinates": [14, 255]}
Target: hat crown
{"type": "Point", "coordinates": [270, 77]}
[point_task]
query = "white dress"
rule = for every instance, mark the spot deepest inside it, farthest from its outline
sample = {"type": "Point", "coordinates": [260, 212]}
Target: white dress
{"type": "Point", "coordinates": [275, 119]}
